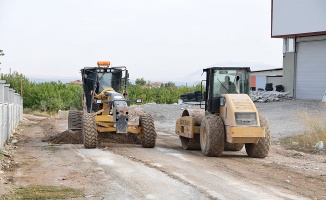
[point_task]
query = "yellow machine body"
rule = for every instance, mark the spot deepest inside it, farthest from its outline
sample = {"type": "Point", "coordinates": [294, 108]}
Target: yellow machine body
{"type": "Point", "coordinates": [106, 108]}
{"type": "Point", "coordinates": [185, 126]}
{"type": "Point", "coordinates": [241, 131]}
{"type": "Point", "coordinates": [237, 130]}
{"type": "Point", "coordinates": [104, 118]}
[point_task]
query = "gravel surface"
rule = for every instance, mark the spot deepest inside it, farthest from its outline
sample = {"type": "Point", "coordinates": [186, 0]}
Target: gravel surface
{"type": "Point", "coordinates": [285, 117]}
{"type": "Point", "coordinates": [165, 115]}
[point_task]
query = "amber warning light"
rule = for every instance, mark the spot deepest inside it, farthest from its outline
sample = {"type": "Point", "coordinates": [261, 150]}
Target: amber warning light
{"type": "Point", "coordinates": [103, 63]}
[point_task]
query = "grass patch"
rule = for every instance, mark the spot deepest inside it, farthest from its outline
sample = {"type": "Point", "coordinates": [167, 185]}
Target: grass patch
{"type": "Point", "coordinates": [39, 113]}
{"type": "Point", "coordinates": [27, 111]}
{"type": "Point", "coordinates": [314, 131]}
{"type": "Point", "coordinates": [38, 192]}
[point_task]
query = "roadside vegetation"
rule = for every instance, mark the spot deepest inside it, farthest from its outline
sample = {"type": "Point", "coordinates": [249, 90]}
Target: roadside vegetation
{"type": "Point", "coordinates": [313, 134]}
{"type": "Point", "coordinates": [46, 192]}
{"type": "Point", "coordinates": [166, 93]}
{"type": "Point", "coordinates": [45, 97]}
{"type": "Point", "coordinates": [49, 97]}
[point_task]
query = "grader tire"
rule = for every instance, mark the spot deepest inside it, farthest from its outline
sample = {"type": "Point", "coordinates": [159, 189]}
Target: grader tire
{"type": "Point", "coordinates": [212, 136]}
{"type": "Point", "coordinates": [233, 147]}
{"type": "Point", "coordinates": [149, 135]}
{"type": "Point", "coordinates": [261, 149]}
{"type": "Point", "coordinates": [190, 143]}
{"type": "Point", "coordinates": [75, 119]}
{"type": "Point", "coordinates": [89, 131]}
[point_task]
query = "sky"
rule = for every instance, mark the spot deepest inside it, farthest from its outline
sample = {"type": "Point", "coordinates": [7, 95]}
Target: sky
{"type": "Point", "coordinates": [156, 40]}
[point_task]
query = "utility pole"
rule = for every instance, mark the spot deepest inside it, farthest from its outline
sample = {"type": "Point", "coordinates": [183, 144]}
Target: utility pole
{"type": "Point", "coordinates": [1, 54]}
{"type": "Point", "coordinates": [21, 85]}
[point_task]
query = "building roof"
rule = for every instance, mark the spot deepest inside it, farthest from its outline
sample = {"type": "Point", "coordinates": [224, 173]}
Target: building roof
{"type": "Point", "coordinates": [266, 70]}
{"type": "Point", "coordinates": [76, 82]}
{"type": "Point", "coordinates": [157, 84]}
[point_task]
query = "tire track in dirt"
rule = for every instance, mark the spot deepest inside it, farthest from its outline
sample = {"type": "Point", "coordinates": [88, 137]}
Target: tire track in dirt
{"type": "Point", "coordinates": [225, 166]}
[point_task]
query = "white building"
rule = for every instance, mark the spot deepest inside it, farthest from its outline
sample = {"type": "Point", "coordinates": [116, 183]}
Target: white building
{"type": "Point", "coordinates": [302, 25]}
{"type": "Point", "coordinates": [259, 78]}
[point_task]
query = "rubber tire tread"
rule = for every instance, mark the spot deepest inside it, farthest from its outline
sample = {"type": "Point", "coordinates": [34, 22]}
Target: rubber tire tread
{"type": "Point", "coordinates": [149, 135]}
{"type": "Point", "coordinates": [215, 136]}
{"type": "Point", "coordinates": [69, 120]}
{"type": "Point", "coordinates": [261, 149]}
{"type": "Point", "coordinates": [75, 119]}
{"type": "Point", "coordinates": [233, 146]}
{"type": "Point", "coordinates": [89, 131]}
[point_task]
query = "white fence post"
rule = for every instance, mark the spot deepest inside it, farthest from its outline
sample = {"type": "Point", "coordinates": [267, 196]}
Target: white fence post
{"type": "Point", "coordinates": [2, 112]}
{"type": "Point", "coordinates": [11, 111]}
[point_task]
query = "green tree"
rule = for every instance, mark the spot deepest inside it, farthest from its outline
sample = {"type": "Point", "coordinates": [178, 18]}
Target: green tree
{"type": "Point", "coordinates": [170, 85]}
{"type": "Point", "coordinates": [18, 82]}
{"type": "Point", "coordinates": [140, 81]}
{"type": "Point", "coordinates": [168, 93]}
{"type": "Point", "coordinates": [48, 96]}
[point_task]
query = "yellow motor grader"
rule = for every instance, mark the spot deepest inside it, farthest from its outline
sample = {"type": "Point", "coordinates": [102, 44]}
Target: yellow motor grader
{"type": "Point", "coordinates": [230, 119]}
{"type": "Point", "coordinates": [105, 107]}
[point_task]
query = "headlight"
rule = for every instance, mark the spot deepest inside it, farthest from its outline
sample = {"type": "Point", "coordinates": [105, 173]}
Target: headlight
{"type": "Point", "coordinates": [246, 119]}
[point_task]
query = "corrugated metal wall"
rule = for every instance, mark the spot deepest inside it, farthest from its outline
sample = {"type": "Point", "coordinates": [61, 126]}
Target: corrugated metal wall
{"type": "Point", "coordinates": [11, 111]}
{"type": "Point", "coordinates": [311, 70]}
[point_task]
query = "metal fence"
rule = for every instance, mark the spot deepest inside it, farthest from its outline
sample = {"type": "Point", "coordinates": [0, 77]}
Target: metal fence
{"type": "Point", "coordinates": [11, 111]}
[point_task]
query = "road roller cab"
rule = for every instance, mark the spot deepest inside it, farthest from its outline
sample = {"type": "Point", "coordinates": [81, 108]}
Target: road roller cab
{"type": "Point", "coordinates": [229, 119]}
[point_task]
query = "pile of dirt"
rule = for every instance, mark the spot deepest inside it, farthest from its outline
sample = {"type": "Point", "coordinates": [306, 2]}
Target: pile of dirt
{"type": "Point", "coordinates": [65, 137]}
{"type": "Point", "coordinates": [105, 139]}
{"type": "Point", "coordinates": [53, 136]}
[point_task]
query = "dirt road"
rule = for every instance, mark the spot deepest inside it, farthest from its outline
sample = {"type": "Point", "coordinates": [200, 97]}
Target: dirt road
{"type": "Point", "coordinates": [127, 171]}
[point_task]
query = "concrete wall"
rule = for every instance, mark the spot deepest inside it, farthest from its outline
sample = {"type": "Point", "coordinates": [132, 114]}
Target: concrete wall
{"type": "Point", "coordinates": [289, 72]}
{"type": "Point", "coordinates": [11, 111]}
{"type": "Point", "coordinates": [261, 77]}
{"type": "Point", "coordinates": [276, 80]}
{"type": "Point", "coordinates": [290, 63]}
{"type": "Point", "coordinates": [294, 17]}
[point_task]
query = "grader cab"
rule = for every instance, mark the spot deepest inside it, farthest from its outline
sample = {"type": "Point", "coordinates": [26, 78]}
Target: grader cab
{"type": "Point", "coordinates": [105, 107]}
{"type": "Point", "coordinates": [230, 119]}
